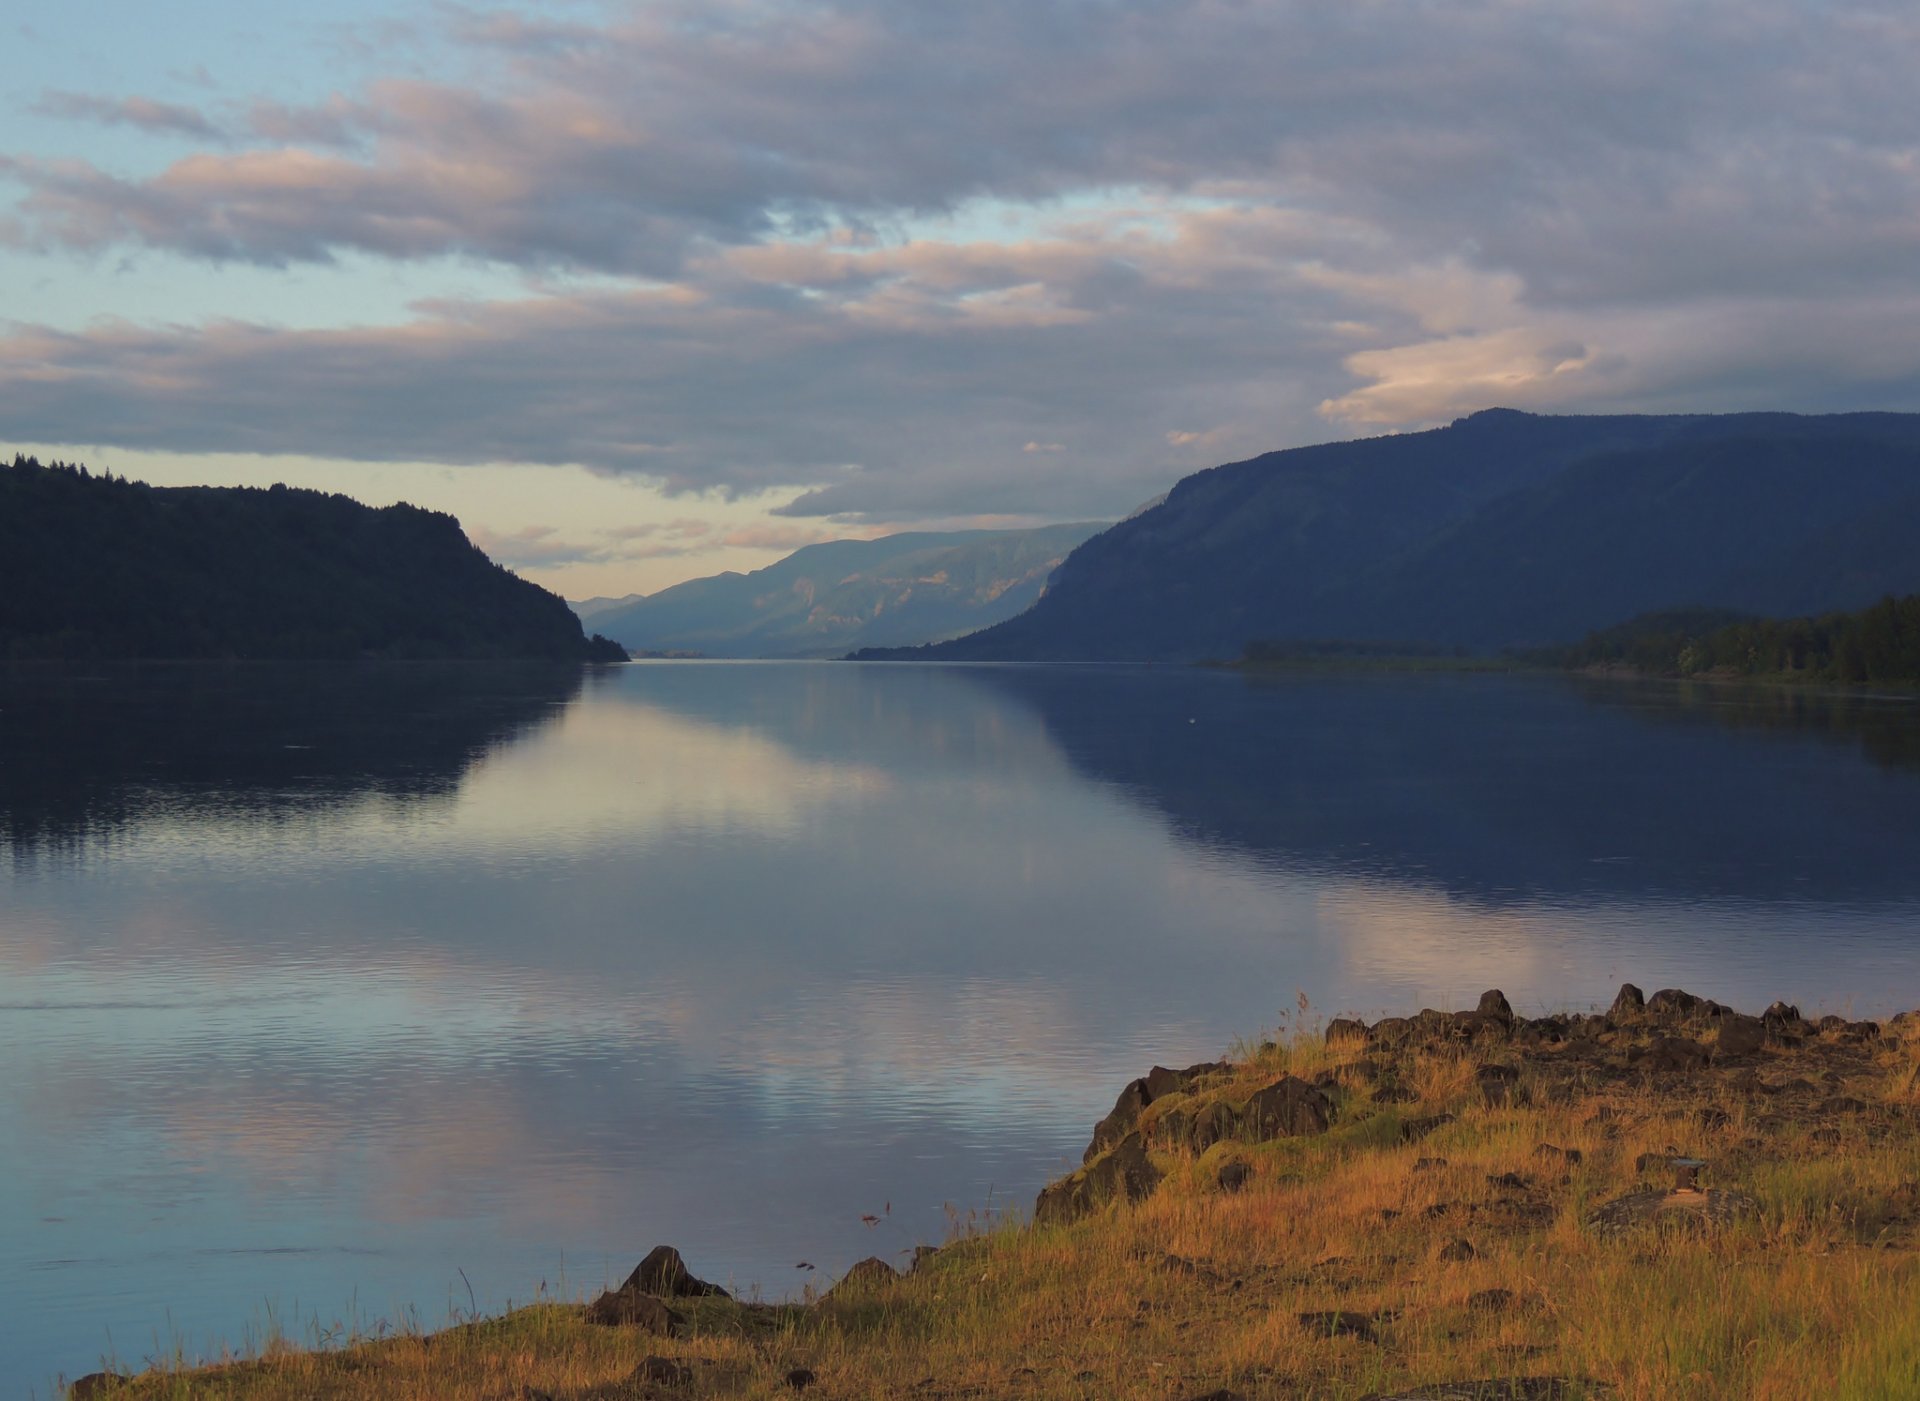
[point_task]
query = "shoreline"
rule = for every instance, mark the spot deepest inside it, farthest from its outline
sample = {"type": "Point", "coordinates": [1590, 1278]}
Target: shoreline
{"type": "Point", "coordinates": [1671, 1198]}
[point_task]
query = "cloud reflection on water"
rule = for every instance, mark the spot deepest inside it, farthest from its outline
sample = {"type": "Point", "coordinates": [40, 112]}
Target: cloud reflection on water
{"type": "Point", "coordinates": [727, 955]}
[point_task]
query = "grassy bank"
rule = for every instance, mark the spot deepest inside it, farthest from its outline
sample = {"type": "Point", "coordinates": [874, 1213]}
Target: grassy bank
{"type": "Point", "coordinates": [1355, 1242]}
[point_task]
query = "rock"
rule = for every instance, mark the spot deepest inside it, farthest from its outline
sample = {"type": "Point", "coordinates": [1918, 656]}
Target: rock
{"type": "Point", "coordinates": [1337, 1323]}
{"type": "Point", "coordinates": [1489, 1300]}
{"type": "Point", "coordinates": [1509, 1182]}
{"type": "Point", "coordinates": [1413, 1130]}
{"type": "Point", "coordinates": [97, 1384]}
{"type": "Point", "coordinates": [1628, 1003]}
{"type": "Point", "coordinates": [1223, 1394]}
{"type": "Point", "coordinates": [922, 1255]}
{"type": "Point", "coordinates": [664, 1274]}
{"type": "Point", "coordinates": [1496, 1083]}
{"type": "Point", "coordinates": [1781, 1012]}
{"type": "Point", "coordinates": [1346, 1031]}
{"type": "Point", "coordinates": [1458, 1250]}
{"type": "Point", "coordinates": [1671, 1003]}
{"type": "Point", "coordinates": [629, 1308]}
{"type": "Point", "coordinates": [1288, 1108]}
{"type": "Point", "coordinates": [1739, 1036]}
{"type": "Point", "coordinates": [863, 1278]}
{"type": "Point", "coordinates": [1553, 1153]}
{"type": "Point", "coordinates": [661, 1371]}
{"type": "Point", "coordinates": [1233, 1176]}
{"type": "Point", "coordinates": [1122, 1173]}
{"type": "Point", "coordinates": [1161, 1082]}
{"type": "Point", "coordinates": [1669, 1054]}
{"type": "Point", "coordinates": [1213, 1123]}
{"type": "Point", "coordinates": [1173, 1129]}
{"type": "Point", "coordinates": [1493, 1004]}
{"type": "Point", "coordinates": [1428, 1164]}
{"type": "Point", "coordinates": [1390, 1031]}
{"type": "Point", "coordinates": [1843, 1104]}
{"type": "Point", "coordinates": [1686, 1209]}
{"type": "Point", "coordinates": [1395, 1094]}
{"type": "Point", "coordinates": [800, 1378]}
{"type": "Point", "coordinates": [1120, 1119]}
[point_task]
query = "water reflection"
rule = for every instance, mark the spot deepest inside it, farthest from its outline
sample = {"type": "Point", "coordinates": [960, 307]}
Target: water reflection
{"type": "Point", "coordinates": [507, 976]}
{"type": "Point", "coordinates": [1503, 790]}
{"type": "Point", "coordinates": [88, 749]}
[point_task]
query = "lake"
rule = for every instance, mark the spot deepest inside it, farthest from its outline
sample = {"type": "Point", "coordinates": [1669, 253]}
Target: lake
{"type": "Point", "coordinates": [361, 996]}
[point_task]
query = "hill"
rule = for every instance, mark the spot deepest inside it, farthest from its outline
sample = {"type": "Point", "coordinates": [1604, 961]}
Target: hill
{"type": "Point", "coordinates": [1501, 530]}
{"type": "Point", "coordinates": [822, 600]}
{"type": "Point", "coordinates": [96, 567]}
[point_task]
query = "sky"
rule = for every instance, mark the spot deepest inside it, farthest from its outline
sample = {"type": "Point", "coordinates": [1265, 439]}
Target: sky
{"type": "Point", "coordinates": [643, 291]}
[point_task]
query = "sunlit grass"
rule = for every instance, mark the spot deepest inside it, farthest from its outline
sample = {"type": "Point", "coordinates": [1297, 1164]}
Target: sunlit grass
{"type": "Point", "coordinates": [1197, 1288]}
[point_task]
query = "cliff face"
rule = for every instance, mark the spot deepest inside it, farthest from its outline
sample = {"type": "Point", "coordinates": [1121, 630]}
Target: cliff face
{"type": "Point", "coordinates": [97, 567]}
{"type": "Point", "coordinates": [1503, 529]}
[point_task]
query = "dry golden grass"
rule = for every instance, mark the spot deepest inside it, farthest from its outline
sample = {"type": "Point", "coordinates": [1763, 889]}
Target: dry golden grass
{"type": "Point", "coordinates": [1197, 1289]}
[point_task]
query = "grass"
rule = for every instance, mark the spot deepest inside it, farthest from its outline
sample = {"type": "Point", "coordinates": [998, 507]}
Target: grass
{"type": "Point", "coordinates": [1196, 1289]}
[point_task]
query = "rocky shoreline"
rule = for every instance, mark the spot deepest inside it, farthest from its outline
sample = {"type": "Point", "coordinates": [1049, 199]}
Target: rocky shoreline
{"type": "Point", "coordinates": [1437, 1193]}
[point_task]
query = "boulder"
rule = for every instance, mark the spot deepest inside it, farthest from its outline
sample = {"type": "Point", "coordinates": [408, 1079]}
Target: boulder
{"type": "Point", "coordinates": [1120, 1119]}
{"type": "Point", "coordinates": [1346, 1031]}
{"type": "Point", "coordinates": [1413, 1130]}
{"type": "Point", "coordinates": [1288, 1108]}
{"type": "Point", "coordinates": [1122, 1173]}
{"type": "Point", "coordinates": [1739, 1036]}
{"type": "Point", "coordinates": [96, 1384]}
{"type": "Point", "coordinates": [655, 1370]}
{"type": "Point", "coordinates": [1628, 1003]}
{"type": "Point", "coordinates": [1666, 1054]}
{"type": "Point", "coordinates": [863, 1279]}
{"type": "Point", "coordinates": [1493, 1004]}
{"type": "Point", "coordinates": [664, 1274]}
{"type": "Point", "coordinates": [1672, 1002]}
{"type": "Point", "coordinates": [1338, 1323]}
{"type": "Point", "coordinates": [1233, 1176]}
{"type": "Point", "coordinates": [1212, 1123]}
{"type": "Point", "coordinates": [630, 1308]}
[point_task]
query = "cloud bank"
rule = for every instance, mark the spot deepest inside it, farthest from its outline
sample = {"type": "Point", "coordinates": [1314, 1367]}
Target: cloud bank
{"type": "Point", "coordinates": [916, 260]}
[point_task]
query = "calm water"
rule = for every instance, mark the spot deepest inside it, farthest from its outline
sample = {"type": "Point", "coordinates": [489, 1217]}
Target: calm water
{"type": "Point", "coordinates": [328, 994]}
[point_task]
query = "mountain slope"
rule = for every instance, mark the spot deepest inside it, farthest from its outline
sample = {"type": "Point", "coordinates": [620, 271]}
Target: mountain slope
{"type": "Point", "coordinates": [823, 600]}
{"type": "Point", "coordinates": [97, 567]}
{"type": "Point", "coordinates": [1501, 529]}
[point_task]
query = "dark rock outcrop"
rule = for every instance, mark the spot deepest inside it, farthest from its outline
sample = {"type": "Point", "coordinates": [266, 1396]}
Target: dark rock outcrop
{"type": "Point", "coordinates": [629, 1308]}
{"type": "Point", "coordinates": [1628, 1003]}
{"type": "Point", "coordinates": [1122, 1173]}
{"type": "Point", "coordinates": [863, 1279]}
{"type": "Point", "coordinates": [665, 1275]}
{"type": "Point", "coordinates": [1288, 1108]}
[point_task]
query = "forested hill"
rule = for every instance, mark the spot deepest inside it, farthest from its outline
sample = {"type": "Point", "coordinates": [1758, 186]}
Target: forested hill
{"type": "Point", "coordinates": [1501, 530]}
{"type": "Point", "coordinates": [1877, 644]}
{"type": "Point", "coordinates": [98, 567]}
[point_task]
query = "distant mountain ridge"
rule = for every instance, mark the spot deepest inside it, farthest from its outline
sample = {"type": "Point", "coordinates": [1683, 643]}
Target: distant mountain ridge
{"type": "Point", "coordinates": [1504, 529]}
{"type": "Point", "coordinates": [824, 600]}
{"type": "Point", "coordinates": [97, 567]}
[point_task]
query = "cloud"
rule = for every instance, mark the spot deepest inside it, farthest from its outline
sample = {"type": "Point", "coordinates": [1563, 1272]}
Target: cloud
{"type": "Point", "coordinates": [142, 112]}
{"type": "Point", "coordinates": [904, 261]}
